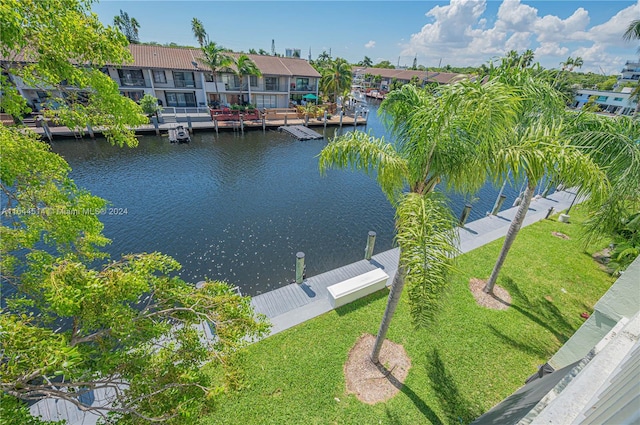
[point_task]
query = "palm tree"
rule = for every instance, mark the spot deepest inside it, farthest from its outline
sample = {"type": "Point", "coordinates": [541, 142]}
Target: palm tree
{"type": "Point", "coordinates": [568, 63]}
{"type": "Point", "coordinates": [129, 26]}
{"type": "Point", "coordinates": [538, 145]}
{"type": "Point", "coordinates": [612, 143]}
{"type": "Point", "coordinates": [245, 66]}
{"type": "Point", "coordinates": [577, 63]}
{"type": "Point", "coordinates": [336, 78]}
{"type": "Point", "coordinates": [439, 135]}
{"type": "Point", "coordinates": [632, 32]}
{"type": "Point", "coordinates": [198, 31]}
{"type": "Point", "coordinates": [216, 58]}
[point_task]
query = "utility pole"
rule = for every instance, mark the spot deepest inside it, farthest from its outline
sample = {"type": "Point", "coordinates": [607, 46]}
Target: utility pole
{"type": "Point", "coordinates": [273, 47]}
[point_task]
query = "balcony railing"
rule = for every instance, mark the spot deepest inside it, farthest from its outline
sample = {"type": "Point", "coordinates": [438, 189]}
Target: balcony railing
{"type": "Point", "coordinates": [272, 87]}
{"type": "Point", "coordinates": [303, 87]}
{"type": "Point", "coordinates": [132, 82]}
{"type": "Point", "coordinates": [188, 83]}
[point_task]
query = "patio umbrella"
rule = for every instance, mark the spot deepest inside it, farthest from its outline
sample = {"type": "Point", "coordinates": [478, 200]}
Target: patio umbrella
{"type": "Point", "coordinates": [310, 96]}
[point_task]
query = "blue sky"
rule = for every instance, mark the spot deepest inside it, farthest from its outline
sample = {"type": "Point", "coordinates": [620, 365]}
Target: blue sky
{"type": "Point", "coordinates": [456, 32]}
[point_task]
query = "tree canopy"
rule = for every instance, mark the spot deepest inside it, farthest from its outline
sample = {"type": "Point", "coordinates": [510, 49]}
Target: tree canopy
{"type": "Point", "coordinates": [73, 320]}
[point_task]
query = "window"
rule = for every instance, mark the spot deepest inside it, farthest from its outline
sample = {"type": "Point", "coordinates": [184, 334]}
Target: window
{"type": "Point", "coordinates": [271, 84]}
{"type": "Point", "coordinates": [266, 101]}
{"type": "Point", "coordinates": [253, 80]}
{"type": "Point", "coordinates": [131, 77]}
{"type": "Point", "coordinates": [302, 84]}
{"type": "Point", "coordinates": [159, 77]}
{"type": "Point", "coordinates": [183, 79]}
{"type": "Point", "coordinates": [602, 98]}
{"type": "Point", "coordinates": [181, 99]}
{"type": "Point", "coordinates": [208, 77]}
{"type": "Point", "coordinates": [134, 95]}
{"type": "Point", "coordinates": [617, 99]}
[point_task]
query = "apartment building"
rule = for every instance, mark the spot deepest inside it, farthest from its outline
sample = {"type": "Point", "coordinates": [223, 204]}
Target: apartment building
{"type": "Point", "coordinates": [179, 77]}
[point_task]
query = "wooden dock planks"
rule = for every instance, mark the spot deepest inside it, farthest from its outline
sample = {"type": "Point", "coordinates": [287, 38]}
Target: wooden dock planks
{"type": "Point", "coordinates": [301, 132]}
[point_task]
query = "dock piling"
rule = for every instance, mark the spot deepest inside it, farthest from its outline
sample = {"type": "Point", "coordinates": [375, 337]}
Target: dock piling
{"type": "Point", "coordinates": [371, 241]}
{"type": "Point", "coordinates": [300, 267]}
{"type": "Point", "coordinates": [215, 125]}
{"type": "Point", "coordinates": [499, 202]}
{"type": "Point", "coordinates": [341, 114]}
{"type": "Point", "coordinates": [154, 120]}
{"type": "Point", "coordinates": [464, 215]}
{"type": "Point", "coordinates": [325, 119]}
{"type": "Point", "coordinates": [90, 131]}
{"type": "Point", "coordinates": [189, 124]}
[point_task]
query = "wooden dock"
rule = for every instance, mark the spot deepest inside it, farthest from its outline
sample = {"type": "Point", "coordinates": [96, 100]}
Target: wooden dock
{"type": "Point", "coordinates": [301, 132]}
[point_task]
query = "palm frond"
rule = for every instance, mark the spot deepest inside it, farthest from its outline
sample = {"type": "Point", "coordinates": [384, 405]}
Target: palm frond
{"type": "Point", "coordinates": [427, 240]}
{"type": "Point", "coordinates": [375, 157]}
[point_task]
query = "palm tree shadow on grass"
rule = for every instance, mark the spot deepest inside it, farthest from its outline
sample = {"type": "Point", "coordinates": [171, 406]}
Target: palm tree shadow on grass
{"type": "Point", "coordinates": [415, 399]}
{"type": "Point", "coordinates": [457, 408]}
{"type": "Point", "coordinates": [525, 346]}
{"type": "Point", "coordinates": [540, 311]}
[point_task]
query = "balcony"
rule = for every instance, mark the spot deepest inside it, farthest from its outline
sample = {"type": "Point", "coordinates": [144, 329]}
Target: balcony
{"type": "Point", "coordinates": [132, 82]}
{"type": "Point", "coordinates": [272, 87]}
{"type": "Point", "coordinates": [187, 83]}
{"type": "Point", "coordinates": [303, 87]}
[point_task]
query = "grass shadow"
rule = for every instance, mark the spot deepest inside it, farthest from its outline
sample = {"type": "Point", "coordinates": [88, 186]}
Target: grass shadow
{"type": "Point", "coordinates": [415, 399]}
{"type": "Point", "coordinates": [362, 302]}
{"type": "Point", "coordinates": [540, 311]}
{"type": "Point", "coordinates": [524, 346]}
{"type": "Point", "coordinates": [457, 408]}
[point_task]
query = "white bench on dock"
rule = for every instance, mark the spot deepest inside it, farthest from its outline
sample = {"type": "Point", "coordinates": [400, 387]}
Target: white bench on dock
{"type": "Point", "coordinates": [357, 287]}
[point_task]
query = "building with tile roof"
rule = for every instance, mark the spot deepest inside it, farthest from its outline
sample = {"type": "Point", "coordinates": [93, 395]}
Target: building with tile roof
{"type": "Point", "coordinates": [179, 77]}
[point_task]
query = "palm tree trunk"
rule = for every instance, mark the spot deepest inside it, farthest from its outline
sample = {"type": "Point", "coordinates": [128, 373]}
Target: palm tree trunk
{"type": "Point", "coordinates": [392, 303]}
{"type": "Point", "coordinates": [514, 228]}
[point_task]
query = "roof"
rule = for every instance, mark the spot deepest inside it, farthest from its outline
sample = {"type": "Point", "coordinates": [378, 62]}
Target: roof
{"type": "Point", "coordinates": [183, 58]}
{"type": "Point", "coordinates": [160, 57]}
{"type": "Point", "coordinates": [407, 74]}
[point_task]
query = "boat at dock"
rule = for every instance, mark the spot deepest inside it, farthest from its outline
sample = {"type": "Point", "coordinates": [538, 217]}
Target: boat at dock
{"type": "Point", "coordinates": [179, 134]}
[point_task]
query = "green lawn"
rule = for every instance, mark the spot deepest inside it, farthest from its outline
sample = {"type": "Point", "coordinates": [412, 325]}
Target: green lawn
{"type": "Point", "coordinates": [468, 362]}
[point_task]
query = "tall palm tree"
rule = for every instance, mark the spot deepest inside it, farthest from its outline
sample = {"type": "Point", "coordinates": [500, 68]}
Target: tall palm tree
{"type": "Point", "coordinates": [336, 78]}
{"type": "Point", "coordinates": [198, 31]}
{"type": "Point", "coordinates": [539, 144]}
{"type": "Point", "coordinates": [439, 135]}
{"type": "Point", "coordinates": [567, 64]}
{"type": "Point", "coordinates": [216, 58]}
{"type": "Point", "coordinates": [129, 26]}
{"type": "Point", "coordinates": [245, 66]}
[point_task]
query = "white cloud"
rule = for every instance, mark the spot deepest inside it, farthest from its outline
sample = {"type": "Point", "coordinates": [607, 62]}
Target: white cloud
{"type": "Point", "coordinates": [370, 45]}
{"type": "Point", "coordinates": [461, 35]}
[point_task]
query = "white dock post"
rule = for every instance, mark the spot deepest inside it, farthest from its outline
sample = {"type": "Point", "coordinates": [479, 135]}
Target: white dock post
{"type": "Point", "coordinates": [355, 119]}
{"type": "Point", "coordinates": [371, 241]}
{"type": "Point", "coordinates": [306, 120]}
{"type": "Point", "coordinates": [215, 124]}
{"type": "Point", "coordinates": [241, 124]}
{"type": "Point", "coordinates": [154, 120]}
{"type": "Point", "coordinates": [325, 119]}
{"type": "Point", "coordinates": [341, 114]}
{"type": "Point", "coordinates": [90, 130]}
{"type": "Point", "coordinates": [299, 267]}
{"type": "Point", "coordinates": [189, 124]}
{"type": "Point", "coordinates": [264, 125]}
{"type": "Point", "coordinates": [499, 202]}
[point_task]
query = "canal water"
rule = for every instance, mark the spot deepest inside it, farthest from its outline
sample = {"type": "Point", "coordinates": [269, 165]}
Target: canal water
{"type": "Point", "coordinates": [237, 207]}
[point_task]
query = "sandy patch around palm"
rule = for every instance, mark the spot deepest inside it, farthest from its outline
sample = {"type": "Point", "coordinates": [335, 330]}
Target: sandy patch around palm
{"type": "Point", "coordinates": [376, 383]}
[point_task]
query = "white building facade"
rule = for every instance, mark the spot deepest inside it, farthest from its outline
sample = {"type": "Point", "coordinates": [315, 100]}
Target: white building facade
{"type": "Point", "coordinates": [178, 77]}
